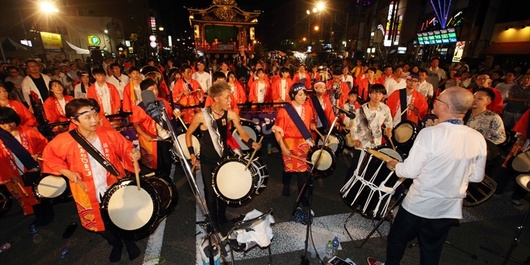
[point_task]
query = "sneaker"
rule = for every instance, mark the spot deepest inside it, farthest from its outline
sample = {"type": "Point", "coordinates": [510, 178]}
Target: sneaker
{"type": "Point", "coordinates": [372, 261]}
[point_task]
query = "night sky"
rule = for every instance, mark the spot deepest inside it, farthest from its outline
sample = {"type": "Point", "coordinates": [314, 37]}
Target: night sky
{"type": "Point", "coordinates": [174, 17]}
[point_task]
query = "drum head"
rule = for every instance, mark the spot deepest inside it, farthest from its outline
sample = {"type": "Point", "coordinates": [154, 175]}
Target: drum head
{"type": "Point", "coordinates": [51, 187]}
{"type": "Point", "coordinates": [250, 131]}
{"type": "Point", "coordinates": [403, 132]}
{"type": "Point", "coordinates": [130, 208]}
{"type": "Point", "coordinates": [521, 163]}
{"type": "Point", "coordinates": [326, 160]}
{"type": "Point", "coordinates": [194, 142]}
{"type": "Point", "coordinates": [233, 181]}
{"type": "Point", "coordinates": [333, 142]}
{"type": "Point", "coordinates": [392, 153]}
{"type": "Point", "coordinates": [523, 181]}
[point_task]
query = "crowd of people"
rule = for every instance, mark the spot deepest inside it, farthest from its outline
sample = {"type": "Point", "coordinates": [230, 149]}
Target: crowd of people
{"type": "Point", "coordinates": [363, 102]}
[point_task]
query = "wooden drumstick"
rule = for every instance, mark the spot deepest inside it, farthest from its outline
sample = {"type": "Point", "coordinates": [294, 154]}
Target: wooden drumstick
{"type": "Point", "coordinates": [301, 159]}
{"type": "Point", "coordinates": [253, 154]}
{"type": "Point", "coordinates": [183, 124]}
{"type": "Point", "coordinates": [392, 143]}
{"type": "Point", "coordinates": [137, 173]}
{"type": "Point", "coordinates": [82, 185]}
{"type": "Point", "coordinates": [319, 134]}
{"type": "Point", "coordinates": [22, 189]}
{"type": "Point", "coordinates": [407, 108]}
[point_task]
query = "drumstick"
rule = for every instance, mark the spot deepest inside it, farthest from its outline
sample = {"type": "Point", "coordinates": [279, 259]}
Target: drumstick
{"type": "Point", "coordinates": [253, 154]}
{"type": "Point", "coordinates": [82, 185]}
{"type": "Point", "coordinates": [392, 143]}
{"type": "Point", "coordinates": [22, 189]}
{"type": "Point", "coordinates": [183, 124]}
{"type": "Point", "coordinates": [137, 173]}
{"type": "Point", "coordinates": [319, 134]}
{"type": "Point", "coordinates": [407, 108]}
{"type": "Point", "coordinates": [301, 159]}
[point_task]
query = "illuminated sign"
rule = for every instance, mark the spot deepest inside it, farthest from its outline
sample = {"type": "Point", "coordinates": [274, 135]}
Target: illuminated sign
{"type": "Point", "coordinates": [93, 41]}
{"type": "Point", "coordinates": [51, 41]}
{"type": "Point", "coordinates": [442, 36]}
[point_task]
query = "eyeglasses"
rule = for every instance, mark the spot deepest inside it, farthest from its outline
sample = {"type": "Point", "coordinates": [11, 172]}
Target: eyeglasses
{"type": "Point", "coordinates": [447, 104]}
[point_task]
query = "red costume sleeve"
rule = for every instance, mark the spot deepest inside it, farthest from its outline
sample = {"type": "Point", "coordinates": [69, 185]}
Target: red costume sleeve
{"type": "Point", "coordinates": [26, 117]}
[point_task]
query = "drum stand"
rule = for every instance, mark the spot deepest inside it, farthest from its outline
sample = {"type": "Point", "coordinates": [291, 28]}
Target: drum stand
{"type": "Point", "coordinates": [308, 186]}
{"type": "Point", "coordinates": [388, 217]}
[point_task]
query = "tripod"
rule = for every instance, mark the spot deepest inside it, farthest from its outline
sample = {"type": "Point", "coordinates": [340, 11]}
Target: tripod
{"type": "Point", "coordinates": [388, 217]}
{"type": "Point", "coordinates": [158, 112]}
{"type": "Point", "coordinates": [523, 181]}
{"type": "Point", "coordinates": [308, 186]}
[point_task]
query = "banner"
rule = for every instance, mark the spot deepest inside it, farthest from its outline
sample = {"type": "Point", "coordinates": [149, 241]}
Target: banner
{"type": "Point", "coordinates": [51, 41]}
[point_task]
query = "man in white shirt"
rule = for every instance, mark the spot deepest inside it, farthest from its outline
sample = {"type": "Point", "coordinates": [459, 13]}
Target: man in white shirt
{"type": "Point", "coordinates": [442, 161]}
{"type": "Point", "coordinates": [35, 82]}
{"type": "Point", "coordinates": [424, 87]}
{"type": "Point", "coordinates": [437, 75]}
{"type": "Point", "coordinates": [202, 77]}
{"type": "Point", "coordinates": [118, 79]}
{"type": "Point", "coordinates": [395, 83]}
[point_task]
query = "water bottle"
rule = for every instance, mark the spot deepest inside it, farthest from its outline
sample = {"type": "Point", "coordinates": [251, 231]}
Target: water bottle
{"type": "Point", "coordinates": [34, 230]}
{"type": "Point", "coordinates": [335, 243]}
{"type": "Point", "coordinates": [329, 249]}
{"type": "Point", "coordinates": [4, 247]}
{"type": "Point", "coordinates": [64, 253]}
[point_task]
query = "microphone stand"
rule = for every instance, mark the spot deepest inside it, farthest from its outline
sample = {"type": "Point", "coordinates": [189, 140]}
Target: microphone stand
{"type": "Point", "coordinates": [309, 183]}
{"type": "Point", "coordinates": [193, 185]}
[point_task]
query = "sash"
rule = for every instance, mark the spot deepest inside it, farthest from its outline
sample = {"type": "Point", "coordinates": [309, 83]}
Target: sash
{"type": "Point", "coordinates": [299, 124]}
{"type": "Point", "coordinates": [320, 112]}
{"type": "Point", "coordinates": [403, 103]}
{"type": "Point", "coordinates": [92, 151]}
{"type": "Point", "coordinates": [210, 123]}
{"type": "Point", "coordinates": [18, 150]}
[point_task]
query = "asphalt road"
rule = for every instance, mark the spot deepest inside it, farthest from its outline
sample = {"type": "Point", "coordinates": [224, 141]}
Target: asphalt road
{"type": "Point", "coordinates": [483, 236]}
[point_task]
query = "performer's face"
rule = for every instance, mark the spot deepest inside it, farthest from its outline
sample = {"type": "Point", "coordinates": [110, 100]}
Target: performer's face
{"type": "Point", "coordinates": [480, 100]}
{"type": "Point", "coordinates": [88, 120]}
{"type": "Point", "coordinates": [300, 97]}
{"type": "Point", "coordinates": [223, 100]}
{"type": "Point", "coordinates": [320, 88]}
{"type": "Point", "coordinates": [9, 127]}
{"type": "Point", "coordinates": [3, 93]}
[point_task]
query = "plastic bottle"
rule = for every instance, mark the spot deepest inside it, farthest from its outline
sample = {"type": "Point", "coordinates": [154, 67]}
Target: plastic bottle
{"type": "Point", "coordinates": [4, 247]}
{"type": "Point", "coordinates": [329, 249]}
{"type": "Point", "coordinates": [64, 253]}
{"type": "Point", "coordinates": [335, 243]}
{"type": "Point", "coordinates": [34, 230]}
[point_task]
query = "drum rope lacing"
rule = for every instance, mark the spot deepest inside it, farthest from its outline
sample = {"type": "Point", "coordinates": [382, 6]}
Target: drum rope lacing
{"type": "Point", "coordinates": [367, 183]}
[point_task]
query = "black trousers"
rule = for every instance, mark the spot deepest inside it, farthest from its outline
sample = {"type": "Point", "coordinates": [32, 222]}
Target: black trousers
{"type": "Point", "coordinates": [216, 207]}
{"type": "Point", "coordinates": [431, 234]}
{"type": "Point", "coordinates": [302, 178]}
{"type": "Point", "coordinates": [165, 160]}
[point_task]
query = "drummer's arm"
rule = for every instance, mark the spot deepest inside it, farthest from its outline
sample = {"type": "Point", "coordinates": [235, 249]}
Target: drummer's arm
{"type": "Point", "coordinates": [141, 132]}
{"type": "Point", "coordinates": [245, 138]}
{"type": "Point", "coordinates": [198, 119]}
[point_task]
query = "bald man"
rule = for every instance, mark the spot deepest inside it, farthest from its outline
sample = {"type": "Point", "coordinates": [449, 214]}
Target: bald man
{"type": "Point", "coordinates": [442, 161]}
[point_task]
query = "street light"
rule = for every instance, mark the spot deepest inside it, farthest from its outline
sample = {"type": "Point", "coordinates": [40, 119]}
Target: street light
{"type": "Point", "coordinates": [48, 7]}
{"type": "Point", "coordinates": [321, 6]}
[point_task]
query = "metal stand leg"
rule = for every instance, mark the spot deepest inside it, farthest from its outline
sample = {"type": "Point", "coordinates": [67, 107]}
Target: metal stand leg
{"type": "Point", "coordinates": [388, 217]}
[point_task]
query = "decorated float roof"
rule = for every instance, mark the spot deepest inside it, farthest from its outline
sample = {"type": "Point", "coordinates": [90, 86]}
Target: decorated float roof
{"type": "Point", "coordinates": [223, 11]}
